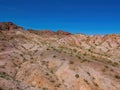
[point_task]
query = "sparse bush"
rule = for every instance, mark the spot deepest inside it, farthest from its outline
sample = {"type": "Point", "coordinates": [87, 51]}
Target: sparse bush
{"type": "Point", "coordinates": [77, 75]}
{"type": "Point", "coordinates": [45, 88]}
{"type": "Point", "coordinates": [1, 88]}
{"type": "Point", "coordinates": [93, 78]}
{"type": "Point", "coordinates": [106, 67]}
{"type": "Point", "coordinates": [74, 50]}
{"type": "Point", "coordinates": [54, 56]}
{"type": "Point", "coordinates": [71, 62]}
{"type": "Point", "coordinates": [47, 49]}
{"type": "Point", "coordinates": [115, 64]}
{"type": "Point", "coordinates": [41, 54]}
{"type": "Point", "coordinates": [96, 84]}
{"type": "Point", "coordinates": [2, 49]}
{"type": "Point", "coordinates": [47, 74]}
{"type": "Point", "coordinates": [21, 55]}
{"type": "Point", "coordinates": [19, 66]}
{"type": "Point", "coordinates": [89, 50]}
{"type": "Point", "coordinates": [31, 61]}
{"type": "Point", "coordinates": [58, 85]}
{"type": "Point", "coordinates": [111, 70]}
{"type": "Point", "coordinates": [10, 89]}
{"type": "Point", "coordinates": [109, 62]}
{"type": "Point", "coordinates": [86, 81]}
{"type": "Point", "coordinates": [88, 73]}
{"type": "Point", "coordinates": [103, 70]}
{"type": "Point", "coordinates": [1, 28]}
{"type": "Point", "coordinates": [84, 54]}
{"type": "Point", "coordinates": [52, 81]}
{"type": "Point", "coordinates": [79, 57]}
{"type": "Point", "coordinates": [36, 51]}
{"type": "Point", "coordinates": [117, 77]}
{"type": "Point", "coordinates": [63, 59]}
{"type": "Point", "coordinates": [112, 63]}
{"type": "Point", "coordinates": [4, 75]}
{"type": "Point", "coordinates": [84, 60]}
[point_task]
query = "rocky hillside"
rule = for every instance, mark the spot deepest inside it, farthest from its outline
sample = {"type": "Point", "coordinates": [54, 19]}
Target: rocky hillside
{"type": "Point", "coordinates": [46, 60]}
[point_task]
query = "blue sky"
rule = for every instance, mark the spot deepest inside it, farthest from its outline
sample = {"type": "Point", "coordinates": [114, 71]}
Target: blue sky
{"type": "Point", "coordinates": [75, 16]}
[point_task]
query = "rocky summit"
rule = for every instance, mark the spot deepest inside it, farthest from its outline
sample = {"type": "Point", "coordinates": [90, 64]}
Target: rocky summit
{"type": "Point", "coordinates": [46, 60]}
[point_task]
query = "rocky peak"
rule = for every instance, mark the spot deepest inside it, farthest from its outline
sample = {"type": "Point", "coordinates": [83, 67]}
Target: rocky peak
{"type": "Point", "coordinates": [8, 26]}
{"type": "Point", "coordinates": [60, 32]}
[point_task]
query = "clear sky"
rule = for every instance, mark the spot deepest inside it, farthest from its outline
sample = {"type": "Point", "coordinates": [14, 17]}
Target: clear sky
{"type": "Point", "coordinates": [75, 16]}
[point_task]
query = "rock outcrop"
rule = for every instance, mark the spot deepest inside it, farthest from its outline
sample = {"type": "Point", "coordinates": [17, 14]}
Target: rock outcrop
{"type": "Point", "coordinates": [8, 26]}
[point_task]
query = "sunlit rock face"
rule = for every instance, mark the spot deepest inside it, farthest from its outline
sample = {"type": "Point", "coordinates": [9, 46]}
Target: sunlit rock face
{"type": "Point", "coordinates": [46, 60]}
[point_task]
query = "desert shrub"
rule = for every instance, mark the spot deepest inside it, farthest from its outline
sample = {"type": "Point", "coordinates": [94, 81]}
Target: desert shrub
{"type": "Point", "coordinates": [74, 50]}
{"type": "Point", "coordinates": [45, 88]}
{"type": "Point", "coordinates": [52, 81]}
{"type": "Point", "coordinates": [88, 73]}
{"type": "Point", "coordinates": [115, 64]}
{"type": "Point", "coordinates": [84, 60]}
{"type": "Point", "coordinates": [111, 70]}
{"type": "Point", "coordinates": [21, 55]}
{"type": "Point", "coordinates": [93, 78]}
{"type": "Point", "coordinates": [58, 85]}
{"type": "Point", "coordinates": [63, 59]}
{"type": "Point", "coordinates": [1, 28]}
{"type": "Point", "coordinates": [47, 74]}
{"type": "Point", "coordinates": [106, 67]}
{"type": "Point", "coordinates": [117, 77]}
{"type": "Point", "coordinates": [41, 54]}
{"type": "Point", "coordinates": [86, 81]}
{"type": "Point", "coordinates": [1, 88]}
{"type": "Point", "coordinates": [10, 88]}
{"type": "Point", "coordinates": [109, 62]}
{"type": "Point", "coordinates": [54, 56]}
{"type": "Point", "coordinates": [96, 84]}
{"type": "Point", "coordinates": [77, 75]}
{"type": "Point", "coordinates": [103, 70]}
{"type": "Point", "coordinates": [4, 75]}
{"type": "Point", "coordinates": [84, 54]}
{"type": "Point", "coordinates": [47, 49]}
{"type": "Point", "coordinates": [71, 62]}
{"type": "Point", "coordinates": [89, 50]}
{"type": "Point", "coordinates": [79, 57]}
{"type": "Point", "coordinates": [31, 61]}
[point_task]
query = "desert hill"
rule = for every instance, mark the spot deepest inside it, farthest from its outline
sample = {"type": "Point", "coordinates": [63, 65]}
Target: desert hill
{"type": "Point", "coordinates": [47, 60]}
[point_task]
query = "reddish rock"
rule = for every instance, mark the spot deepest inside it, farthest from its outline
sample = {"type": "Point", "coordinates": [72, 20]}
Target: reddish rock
{"type": "Point", "coordinates": [49, 32]}
{"type": "Point", "coordinates": [60, 32]}
{"type": "Point", "coordinates": [8, 26]}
